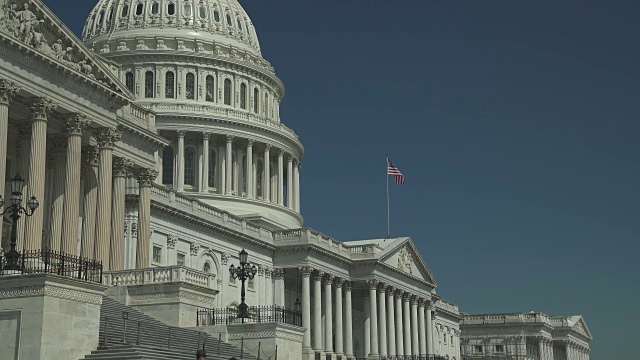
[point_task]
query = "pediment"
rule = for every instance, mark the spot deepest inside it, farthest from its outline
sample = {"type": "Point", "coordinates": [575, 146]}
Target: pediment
{"type": "Point", "coordinates": [37, 27]}
{"type": "Point", "coordinates": [404, 257]}
{"type": "Point", "coordinates": [581, 328]}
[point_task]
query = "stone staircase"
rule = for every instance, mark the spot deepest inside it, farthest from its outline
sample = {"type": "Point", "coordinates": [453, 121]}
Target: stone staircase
{"type": "Point", "coordinates": [156, 339]}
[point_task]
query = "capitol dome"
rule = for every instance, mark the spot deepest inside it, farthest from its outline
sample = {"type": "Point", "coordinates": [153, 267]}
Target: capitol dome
{"type": "Point", "coordinates": [197, 65]}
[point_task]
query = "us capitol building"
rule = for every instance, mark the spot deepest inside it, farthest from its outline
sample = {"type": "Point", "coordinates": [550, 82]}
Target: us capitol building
{"type": "Point", "coordinates": [155, 151]}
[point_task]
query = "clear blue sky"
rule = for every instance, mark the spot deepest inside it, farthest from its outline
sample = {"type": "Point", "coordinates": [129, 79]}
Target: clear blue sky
{"type": "Point", "coordinates": [515, 123]}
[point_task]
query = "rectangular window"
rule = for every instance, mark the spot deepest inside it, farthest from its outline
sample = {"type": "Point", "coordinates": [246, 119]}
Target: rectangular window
{"type": "Point", "coordinates": [451, 342]}
{"type": "Point", "coordinates": [477, 349]}
{"type": "Point", "coordinates": [157, 255]}
{"type": "Point", "coordinates": [499, 348]}
{"type": "Point", "coordinates": [445, 338]}
{"type": "Point", "coordinates": [180, 259]}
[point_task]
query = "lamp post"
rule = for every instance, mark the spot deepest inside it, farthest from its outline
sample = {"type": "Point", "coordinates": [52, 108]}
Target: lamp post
{"type": "Point", "coordinates": [243, 272]}
{"type": "Point", "coordinates": [15, 209]}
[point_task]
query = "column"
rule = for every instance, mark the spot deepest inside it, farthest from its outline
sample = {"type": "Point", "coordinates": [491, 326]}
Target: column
{"type": "Point", "coordinates": [382, 320]}
{"type": "Point", "coordinates": [366, 324]}
{"type": "Point", "coordinates": [40, 110]}
{"type": "Point", "coordinates": [348, 318]}
{"type": "Point", "coordinates": [339, 323]}
{"type": "Point", "coordinates": [106, 138]}
{"type": "Point", "coordinates": [228, 165]}
{"type": "Point", "coordinates": [249, 167]}
{"type": "Point", "coordinates": [278, 276]}
{"type": "Point", "coordinates": [145, 179]}
{"type": "Point", "coordinates": [414, 326]}
{"type": "Point", "coordinates": [296, 188]}
{"type": "Point", "coordinates": [58, 145]}
{"type": "Point", "coordinates": [75, 125]}
{"type": "Point", "coordinates": [121, 169]}
{"type": "Point", "coordinates": [373, 286]}
{"type": "Point", "coordinates": [317, 312]}
{"type": "Point", "coordinates": [24, 132]}
{"type": "Point", "coordinates": [280, 178]}
{"type": "Point", "coordinates": [89, 202]}
{"type": "Point", "coordinates": [266, 182]}
{"type": "Point", "coordinates": [290, 201]}
{"type": "Point", "coordinates": [306, 308]}
{"type": "Point", "coordinates": [268, 274]}
{"type": "Point", "coordinates": [407, 326]}
{"type": "Point", "coordinates": [429, 328]}
{"type": "Point", "coordinates": [7, 92]}
{"type": "Point", "coordinates": [541, 355]}
{"type": "Point", "coordinates": [180, 160]}
{"type": "Point", "coordinates": [391, 324]}
{"type": "Point", "coordinates": [422, 325]}
{"type": "Point", "coordinates": [204, 179]}
{"type": "Point", "coordinates": [398, 329]}
{"type": "Point", "coordinates": [328, 314]}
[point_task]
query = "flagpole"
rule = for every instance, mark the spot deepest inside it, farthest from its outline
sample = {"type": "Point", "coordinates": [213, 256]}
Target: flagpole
{"type": "Point", "coordinates": [388, 222]}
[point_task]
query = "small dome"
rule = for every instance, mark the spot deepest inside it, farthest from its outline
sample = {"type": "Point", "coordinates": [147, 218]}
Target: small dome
{"type": "Point", "coordinates": [211, 21]}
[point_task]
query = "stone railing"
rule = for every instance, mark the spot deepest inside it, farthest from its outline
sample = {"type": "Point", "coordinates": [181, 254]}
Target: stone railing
{"type": "Point", "coordinates": [506, 318]}
{"type": "Point", "coordinates": [369, 249]}
{"type": "Point", "coordinates": [209, 213]}
{"type": "Point", "coordinates": [306, 235]}
{"type": "Point", "coordinates": [447, 306]}
{"type": "Point", "coordinates": [159, 275]}
{"type": "Point", "coordinates": [139, 115]}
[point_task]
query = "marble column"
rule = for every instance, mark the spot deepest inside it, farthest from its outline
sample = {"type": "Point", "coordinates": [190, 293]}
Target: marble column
{"type": "Point", "coordinates": [280, 178]}
{"type": "Point", "coordinates": [328, 314]}
{"type": "Point", "coordinates": [41, 108]}
{"type": "Point", "coordinates": [266, 182]}
{"type": "Point", "coordinates": [7, 91]}
{"type": "Point", "coordinates": [306, 308]}
{"type": "Point", "coordinates": [121, 170]}
{"type": "Point", "coordinates": [339, 318]}
{"type": "Point", "coordinates": [180, 160]}
{"type": "Point", "coordinates": [415, 347]}
{"type": "Point", "coordinates": [391, 323]}
{"type": "Point", "coordinates": [399, 328]}
{"type": "Point", "coordinates": [382, 320]}
{"type": "Point", "coordinates": [229, 165]}
{"type": "Point", "coordinates": [75, 125]}
{"type": "Point", "coordinates": [204, 179]}
{"type": "Point", "coordinates": [407, 326]}
{"type": "Point", "coordinates": [366, 324]}
{"type": "Point", "coordinates": [57, 146]}
{"type": "Point", "coordinates": [290, 201]}
{"type": "Point", "coordinates": [249, 165]}
{"type": "Point", "coordinates": [296, 183]}
{"type": "Point", "coordinates": [90, 157]}
{"type": "Point", "coordinates": [268, 290]}
{"type": "Point", "coordinates": [540, 348]}
{"type": "Point", "coordinates": [24, 132]}
{"type": "Point", "coordinates": [373, 305]}
{"type": "Point", "coordinates": [422, 325]}
{"type": "Point", "coordinates": [348, 319]}
{"type": "Point", "coordinates": [317, 312]}
{"type": "Point", "coordinates": [278, 276]}
{"type": "Point", "coordinates": [145, 179]}
{"type": "Point", "coordinates": [429, 328]}
{"type": "Point", "coordinates": [106, 139]}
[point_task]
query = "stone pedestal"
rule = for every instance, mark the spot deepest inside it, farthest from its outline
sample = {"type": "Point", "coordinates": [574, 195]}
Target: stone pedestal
{"type": "Point", "coordinates": [48, 317]}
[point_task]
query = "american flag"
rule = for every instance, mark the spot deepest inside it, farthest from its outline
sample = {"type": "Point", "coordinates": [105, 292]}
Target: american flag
{"type": "Point", "coordinates": [393, 171]}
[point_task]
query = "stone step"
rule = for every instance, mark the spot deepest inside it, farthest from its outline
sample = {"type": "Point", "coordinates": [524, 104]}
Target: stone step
{"type": "Point", "coordinates": [142, 352]}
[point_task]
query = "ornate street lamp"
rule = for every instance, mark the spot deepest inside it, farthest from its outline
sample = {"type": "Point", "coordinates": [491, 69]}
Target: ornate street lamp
{"type": "Point", "coordinates": [15, 209]}
{"type": "Point", "coordinates": [243, 272]}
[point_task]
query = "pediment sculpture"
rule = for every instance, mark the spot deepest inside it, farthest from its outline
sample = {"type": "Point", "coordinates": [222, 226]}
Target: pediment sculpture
{"type": "Point", "coordinates": [405, 260]}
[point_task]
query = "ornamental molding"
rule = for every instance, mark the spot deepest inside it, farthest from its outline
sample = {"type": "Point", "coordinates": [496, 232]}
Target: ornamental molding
{"type": "Point", "coordinates": [52, 290]}
{"type": "Point", "coordinates": [405, 260]}
{"type": "Point", "coordinates": [267, 334]}
{"type": "Point", "coordinates": [181, 295]}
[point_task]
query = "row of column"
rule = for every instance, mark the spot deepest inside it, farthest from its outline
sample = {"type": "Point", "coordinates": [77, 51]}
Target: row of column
{"type": "Point", "coordinates": [397, 324]}
{"type": "Point", "coordinates": [226, 187]}
{"type": "Point", "coordinates": [104, 197]}
{"type": "Point", "coordinates": [576, 351]}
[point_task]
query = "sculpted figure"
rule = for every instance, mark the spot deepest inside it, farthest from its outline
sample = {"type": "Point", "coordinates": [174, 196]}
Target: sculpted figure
{"type": "Point", "coordinates": [58, 51]}
{"type": "Point", "coordinates": [27, 19]}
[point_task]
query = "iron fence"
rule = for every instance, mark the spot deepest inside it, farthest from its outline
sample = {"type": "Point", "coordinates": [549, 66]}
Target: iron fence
{"type": "Point", "coordinates": [47, 261]}
{"type": "Point", "coordinates": [256, 314]}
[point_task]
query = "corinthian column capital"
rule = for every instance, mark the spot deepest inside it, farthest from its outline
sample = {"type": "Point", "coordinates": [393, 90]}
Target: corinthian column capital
{"type": "Point", "coordinates": [146, 177]}
{"type": "Point", "coordinates": [90, 155]}
{"type": "Point", "coordinates": [107, 137]}
{"type": "Point", "coordinates": [41, 108]}
{"type": "Point", "coordinates": [76, 123]}
{"type": "Point", "coordinates": [121, 167]}
{"type": "Point", "coordinates": [7, 91]}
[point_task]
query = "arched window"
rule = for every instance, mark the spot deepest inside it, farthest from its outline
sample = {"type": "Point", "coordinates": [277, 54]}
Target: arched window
{"type": "Point", "coordinates": [190, 88]}
{"type": "Point", "coordinates": [187, 10]}
{"type": "Point", "coordinates": [125, 10]}
{"type": "Point", "coordinates": [139, 9]}
{"type": "Point", "coordinates": [229, 22]}
{"type": "Point", "coordinates": [256, 94]}
{"type": "Point", "coordinates": [243, 95]}
{"type": "Point", "coordinates": [155, 8]}
{"type": "Point", "coordinates": [206, 268]}
{"type": "Point", "coordinates": [171, 9]}
{"type": "Point", "coordinates": [259, 178]}
{"type": "Point", "coordinates": [209, 88]}
{"type": "Point", "coordinates": [129, 81]}
{"type": "Point", "coordinates": [227, 92]}
{"type": "Point", "coordinates": [167, 165]}
{"type": "Point", "coordinates": [203, 12]}
{"type": "Point", "coordinates": [169, 84]}
{"type": "Point", "coordinates": [148, 84]}
{"type": "Point", "coordinates": [189, 166]}
{"type": "Point", "coordinates": [216, 15]}
{"type": "Point", "coordinates": [212, 169]}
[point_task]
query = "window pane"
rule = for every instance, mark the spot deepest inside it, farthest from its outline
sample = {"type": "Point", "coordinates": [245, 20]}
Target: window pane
{"type": "Point", "coordinates": [189, 166]}
{"type": "Point", "coordinates": [243, 96]}
{"type": "Point", "coordinates": [229, 22]}
{"type": "Point", "coordinates": [259, 179]}
{"type": "Point", "coordinates": [148, 84]}
{"type": "Point", "coordinates": [171, 9]}
{"type": "Point", "coordinates": [190, 89]}
{"type": "Point", "coordinates": [216, 15]}
{"type": "Point", "coordinates": [239, 25]}
{"type": "Point", "coordinates": [155, 8]}
{"type": "Point", "coordinates": [256, 94]}
{"type": "Point", "coordinates": [209, 86]}
{"type": "Point", "coordinates": [129, 81]}
{"type": "Point", "coordinates": [187, 10]}
{"type": "Point", "coordinates": [212, 168]}
{"type": "Point", "coordinates": [227, 92]}
{"type": "Point", "coordinates": [169, 87]}
{"type": "Point", "coordinates": [167, 166]}
{"type": "Point", "coordinates": [203, 12]}
{"type": "Point", "coordinates": [139, 9]}
{"type": "Point", "coordinates": [125, 10]}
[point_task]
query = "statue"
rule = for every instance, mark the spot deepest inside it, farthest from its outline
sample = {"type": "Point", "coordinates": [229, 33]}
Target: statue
{"type": "Point", "coordinates": [27, 20]}
{"type": "Point", "coordinates": [58, 51]}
